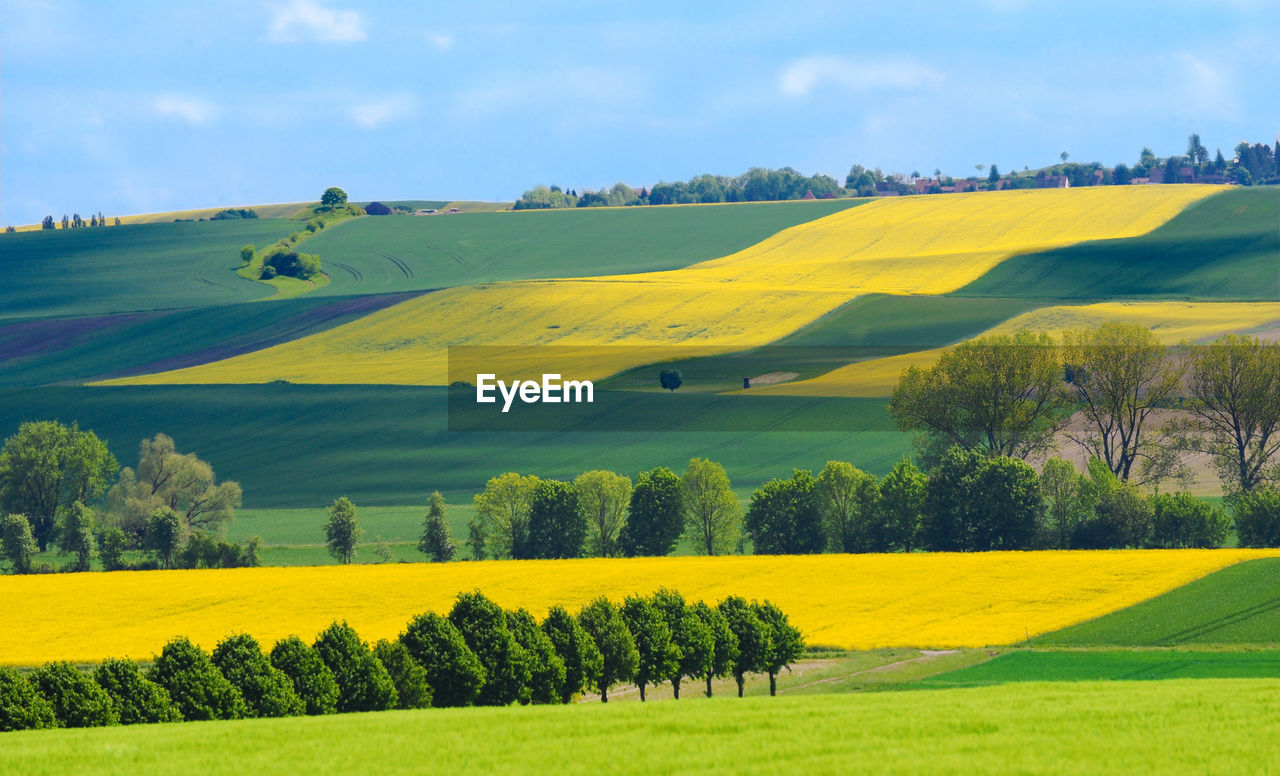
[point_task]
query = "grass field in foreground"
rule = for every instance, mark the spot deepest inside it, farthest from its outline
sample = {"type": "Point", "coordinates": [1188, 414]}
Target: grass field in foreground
{"type": "Point", "coordinates": [847, 601]}
{"type": "Point", "coordinates": [1237, 605]}
{"type": "Point", "coordinates": [1175, 727]}
{"type": "Point", "coordinates": [1093, 665]}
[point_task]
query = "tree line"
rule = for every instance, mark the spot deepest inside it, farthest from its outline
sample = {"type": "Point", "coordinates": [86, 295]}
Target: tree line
{"type": "Point", "coordinates": [477, 655]}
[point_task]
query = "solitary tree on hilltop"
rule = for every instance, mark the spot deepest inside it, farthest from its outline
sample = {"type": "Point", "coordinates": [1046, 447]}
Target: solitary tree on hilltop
{"type": "Point", "coordinates": [333, 197]}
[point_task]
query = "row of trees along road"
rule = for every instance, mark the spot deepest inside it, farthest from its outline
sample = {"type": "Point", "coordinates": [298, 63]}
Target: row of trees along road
{"type": "Point", "coordinates": [478, 655]}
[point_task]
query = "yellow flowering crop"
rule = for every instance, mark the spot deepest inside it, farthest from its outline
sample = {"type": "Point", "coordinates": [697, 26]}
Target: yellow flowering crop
{"type": "Point", "coordinates": [1171, 322]}
{"type": "Point", "coordinates": [926, 245]}
{"type": "Point", "coordinates": [856, 601]}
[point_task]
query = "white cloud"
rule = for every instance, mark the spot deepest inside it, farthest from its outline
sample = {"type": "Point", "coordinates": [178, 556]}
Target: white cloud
{"type": "Point", "coordinates": [371, 115]}
{"type": "Point", "coordinates": [439, 41]}
{"type": "Point", "coordinates": [189, 110]}
{"type": "Point", "coordinates": [803, 76]}
{"type": "Point", "coordinates": [306, 20]}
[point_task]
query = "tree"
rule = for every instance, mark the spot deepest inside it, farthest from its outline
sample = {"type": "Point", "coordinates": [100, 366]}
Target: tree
{"type": "Point", "coordinates": [312, 680]}
{"type": "Point", "coordinates": [47, 222]}
{"type": "Point", "coordinates": [267, 691]}
{"type": "Point", "coordinates": [476, 538]}
{"type": "Point", "coordinates": [547, 670]}
{"type": "Point", "coordinates": [712, 515]}
{"type": "Point", "coordinates": [578, 652]}
{"type": "Point", "coordinates": [413, 688]}
{"type": "Point", "coordinates": [1257, 517]}
{"type": "Point", "coordinates": [619, 658]}
{"type": "Point", "coordinates": [164, 535]}
{"type": "Point", "coordinates": [786, 643]}
{"type": "Point", "coordinates": [343, 532]}
{"type": "Point", "coordinates": [1121, 175]}
{"type": "Point", "coordinates": [1120, 516]}
{"type": "Point", "coordinates": [557, 526]}
{"type": "Point", "coordinates": [333, 197]}
{"type": "Point", "coordinates": [502, 509]}
{"type": "Point", "coordinates": [694, 643]}
{"type": "Point", "coordinates": [671, 379]}
{"type": "Point", "coordinates": [785, 516]}
{"type": "Point", "coordinates": [655, 519]}
{"type": "Point", "coordinates": [754, 645]}
{"type": "Point", "coordinates": [847, 500]}
{"type": "Point", "coordinates": [658, 656]}
{"type": "Point", "coordinates": [603, 498]}
{"type": "Point", "coordinates": [76, 536]}
{"type": "Point", "coordinates": [724, 653]}
{"type": "Point", "coordinates": [181, 482]}
{"type": "Point", "coordinates": [994, 176]}
{"type": "Point", "coordinates": [197, 688]}
{"type": "Point", "coordinates": [1196, 152]}
{"type": "Point", "coordinates": [998, 394]}
{"type": "Point", "coordinates": [1181, 520]}
{"type": "Point", "coordinates": [113, 542]}
{"type": "Point", "coordinates": [436, 543]}
{"type": "Point", "coordinates": [363, 682]}
{"type": "Point", "coordinates": [77, 700]}
{"type": "Point", "coordinates": [900, 509]}
{"type": "Point", "coordinates": [1064, 156]}
{"type": "Point", "coordinates": [453, 670]}
{"type": "Point", "coordinates": [1234, 408]}
{"type": "Point", "coordinates": [46, 467]}
{"type": "Point", "coordinates": [1060, 487]}
{"type": "Point", "coordinates": [22, 707]}
{"type": "Point", "coordinates": [1119, 374]}
{"type": "Point", "coordinates": [17, 543]}
{"type": "Point", "coordinates": [137, 699]}
{"type": "Point", "coordinates": [975, 504]}
{"type": "Point", "coordinates": [507, 667]}
{"type": "Point", "coordinates": [246, 253]}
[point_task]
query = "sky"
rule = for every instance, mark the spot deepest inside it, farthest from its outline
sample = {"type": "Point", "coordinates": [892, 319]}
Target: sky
{"type": "Point", "coordinates": [133, 107]}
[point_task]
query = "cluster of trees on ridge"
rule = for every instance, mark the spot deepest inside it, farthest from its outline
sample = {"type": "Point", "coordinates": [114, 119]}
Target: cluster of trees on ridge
{"type": "Point", "coordinates": [478, 655]}
{"type": "Point", "coordinates": [1253, 164]}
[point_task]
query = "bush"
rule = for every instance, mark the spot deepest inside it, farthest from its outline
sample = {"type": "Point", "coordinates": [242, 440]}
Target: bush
{"type": "Point", "coordinates": [196, 686]}
{"type": "Point", "coordinates": [21, 707]}
{"type": "Point", "coordinates": [1182, 520]}
{"type": "Point", "coordinates": [246, 253]}
{"type": "Point", "coordinates": [453, 670]}
{"type": "Point", "coordinates": [312, 680]}
{"type": "Point", "coordinates": [377, 209]}
{"type": "Point", "coordinates": [137, 700]}
{"type": "Point", "coordinates": [282, 260]}
{"type": "Point", "coordinates": [267, 691]}
{"type": "Point", "coordinates": [412, 688]}
{"type": "Point", "coordinates": [233, 214]}
{"type": "Point", "coordinates": [363, 682]}
{"type": "Point", "coordinates": [1258, 517]}
{"type": "Point", "coordinates": [77, 700]}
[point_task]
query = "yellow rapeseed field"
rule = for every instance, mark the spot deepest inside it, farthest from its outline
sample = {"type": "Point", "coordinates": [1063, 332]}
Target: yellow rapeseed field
{"type": "Point", "coordinates": [854, 601]}
{"type": "Point", "coordinates": [909, 245]}
{"type": "Point", "coordinates": [1171, 322]}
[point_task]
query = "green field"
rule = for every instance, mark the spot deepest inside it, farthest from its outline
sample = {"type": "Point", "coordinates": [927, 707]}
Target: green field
{"type": "Point", "coordinates": [1120, 665]}
{"type": "Point", "coordinates": [1238, 605]}
{"type": "Point", "coordinates": [1174, 727]}
{"type": "Point", "coordinates": [1225, 247]}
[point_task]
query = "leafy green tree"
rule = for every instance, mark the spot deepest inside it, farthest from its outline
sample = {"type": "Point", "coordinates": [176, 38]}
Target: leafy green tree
{"type": "Point", "coordinates": [1121, 515]}
{"type": "Point", "coordinates": [436, 543]}
{"type": "Point", "coordinates": [502, 510]}
{"type": "Point", "coordinates": [22, 707]}
{"type": "Point", "coordinates": [46, 467]}
{"type": "Point", "coordinates": [246, 253]}
{"type": "Point", "coordinates": [342, 532]}
{"type": "Point", "coordinates": [507, 669]}
{"type": "Point", "coordinates": [312, 680]}
{"type": "Point", "coordinates": [476, 538]}
{"type": "Point", "coordinates": [17, 543]}
{"type": "Point", "coordinates": [785, 517]}
{"type": "Point", "coordinates": [1061, 488]}
{"type": "Point", "coordinates": [692, 638]}
{"type": "Point", "coordinates": [900, 509]}
{"type": "Point", "coordinates": [754, 645]}
{"type": "Point", "coordinates": [581, 657]}
{"type": "Point", "coordinates": [1257, 517]}
{"type": "Point", "coordinates": [363, 682]}
{"type": "Point", "coordinates": [619, 659]}
{"type": "Point", "coordinates": [547, 670]}
{"type": "Point", "coordinates": [168, 479]}
{"type": "Point", "coordinates": [77, 700]}
{"type": "Point", "coordinates": [164, 535]}
{"type": "Point", "coordinates": [413, 689]}
{"type": "Point", "coordinates": [786, 643]}
{"type": "Point", "coordinates": [659, 657]}
{"type": "Point", "coordinates": [603, 498]}
{"type": "Point", "coordinates": [847, 501]}
{"type": "Point", "coordinates": [997, 394]}
{"type": "Point", "coordinates": [975, 504]}
{"type": "Point", "coordinates": [76, 536]}
{"type": "Point", "coordinates": [453, 670]}
{"type": "Point", "coordinates": [333, 197]}
{"type": "Point", "coordinates": [724, 654]}
{"type": "Point", "coordinates": [670, 379]}
{"type": "Point", "coordinates": [113, 542]}
{"type": "Point", "coordinates": [712, 516]}
{"type": "Point", "coordinates": [196, 686]}
{"type": "Point", "coordinates": [994, 176]}
{"type": "Point", "coordinates": [267, 691]}
{"type": "Point", "coordinates": [655, 519]}
{"type": "Point", "coordinates": [557, 527]}
{"type": "Point", "coordinates": [1182, 520]}
{"type": "Point", "coordinates": [137, 699]}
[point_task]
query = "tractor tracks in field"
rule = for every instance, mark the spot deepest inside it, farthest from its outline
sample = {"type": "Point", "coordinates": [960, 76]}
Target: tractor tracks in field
{"type": "Point", "coordinates": [404, 268]}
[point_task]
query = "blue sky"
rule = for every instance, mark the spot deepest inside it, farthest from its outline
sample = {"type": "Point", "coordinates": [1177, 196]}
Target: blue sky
{"type": "Point", "coordinates": [136, 107]}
